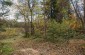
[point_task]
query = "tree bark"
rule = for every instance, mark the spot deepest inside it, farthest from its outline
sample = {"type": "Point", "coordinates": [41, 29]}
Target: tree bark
{"type": "Point", "coordinates": [32, 26]}
{"type": "Point", "coordinates": [84, 14]}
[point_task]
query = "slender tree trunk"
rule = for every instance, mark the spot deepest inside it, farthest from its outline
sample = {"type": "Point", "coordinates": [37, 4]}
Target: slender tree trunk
{"type": "Point", "coordinates": [28, 28]}
{"type": "Point", "coordinates": [69, 8]}
{"type": "Point", "coordinates": [84, 14]}
{"type": "Point", "coordinates": [32, 26]}
{"type": "Point", "coordinates": [25, 28]}
{"type": "Point", "coordinates": [31, 11]}
{"type": "Point", "coordinates": [45, 25]}
{"type": "Point", "coordinates": [45, 21]}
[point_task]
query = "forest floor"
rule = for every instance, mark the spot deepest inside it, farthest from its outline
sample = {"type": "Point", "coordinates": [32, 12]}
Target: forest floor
{"type": "Point", "coordinates": [25, 46]}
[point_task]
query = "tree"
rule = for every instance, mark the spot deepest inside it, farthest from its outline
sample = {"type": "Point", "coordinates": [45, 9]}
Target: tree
{"type": "Point", "coordinates": [23, 11]}
{"type": "Point", "coordinates": [56, 9]}
{"type": "Point", "coordinates": [77, 12]}
{"type": "Point", "coordinates": [31, 5]}
{"type": "Point", "coordinates": [4, 10]}
{"type": "Point", "coordinates": [53, 9]}
{"type": "Point", "coordinates": [27, 11]}
{"type": "Point", "coordinates": [84, 14]}
{"type": "Point", "coordinates": [45, 19]}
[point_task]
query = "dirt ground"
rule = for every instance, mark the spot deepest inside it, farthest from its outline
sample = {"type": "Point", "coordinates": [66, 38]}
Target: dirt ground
{"type": "Point", "coordinates": [31, 47]}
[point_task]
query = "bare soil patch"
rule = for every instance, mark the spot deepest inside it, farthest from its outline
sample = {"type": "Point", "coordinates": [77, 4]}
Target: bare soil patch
{"type": "Point", "coordinates": [31, 47]}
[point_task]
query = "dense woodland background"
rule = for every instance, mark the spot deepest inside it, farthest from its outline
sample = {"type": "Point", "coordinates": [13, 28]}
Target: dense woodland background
{"type": "Point", "coordinates": [55, 21]}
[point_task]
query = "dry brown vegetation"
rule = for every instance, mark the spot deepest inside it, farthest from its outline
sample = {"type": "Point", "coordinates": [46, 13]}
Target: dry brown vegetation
{"type": "Point", "coordinates": [26, 47]}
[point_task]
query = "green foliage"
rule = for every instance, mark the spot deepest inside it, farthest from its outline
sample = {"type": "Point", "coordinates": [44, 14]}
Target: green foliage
{"type": "Point", "coordinates": [2, 30]}
{"type": "Point", "coordinates": [57, 32]}
{"type": "Point", "coordinates": [10, 32]}
{"type": "Point", "coordinates": [60, 31]}
{"type": "Point", "coordinates": [8, 3]}
{"type": "Point", "coordinates": [37, 33]}
{"type": "Point", "coordinates": [79, 36]}
{"type": "Point", "coordinates": [5, 49]}
{"type": "Point", "coordinates": [1, 27]}
{"type": "Point", "coordinates": [56, 9]}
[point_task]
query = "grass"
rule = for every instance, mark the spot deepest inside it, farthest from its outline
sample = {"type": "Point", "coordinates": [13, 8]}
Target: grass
{"type": "Point", "coordinates": [10, 33]}
{"type": "Point", "coordinates": [5, 49]}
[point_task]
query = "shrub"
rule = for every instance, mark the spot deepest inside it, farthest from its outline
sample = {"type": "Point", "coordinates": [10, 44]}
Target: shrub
{"type": "Point", "coordinates": [10, 32]}
{"type": "Point", "coordinates": [59, 31]}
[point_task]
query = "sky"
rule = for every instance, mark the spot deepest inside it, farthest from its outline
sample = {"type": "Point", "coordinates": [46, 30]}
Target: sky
{"type": "Point", "coordinates": [13, 10]}
{"type": "Point", "coordinates": [80, 5]}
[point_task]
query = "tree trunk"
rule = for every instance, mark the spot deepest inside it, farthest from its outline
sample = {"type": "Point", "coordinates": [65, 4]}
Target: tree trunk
{"type": "Point", "coordinates": [84, 14]}
{"type": "Point", "coordinates": [45, 21]}
{"type": "Point", "coordinates": [45, 25]}
{"type": "Point", "coordinates": [32, 26]}
{"type": "Point", "coordinates": [26, 28]}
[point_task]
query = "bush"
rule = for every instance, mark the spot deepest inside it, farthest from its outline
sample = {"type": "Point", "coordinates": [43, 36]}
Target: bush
{"type": "Point", "coordinates": [2, 30]}
{"type": "Point", "coordinates": [59, 31]}
{"type": "Point", "coordinates": [10, 32]}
